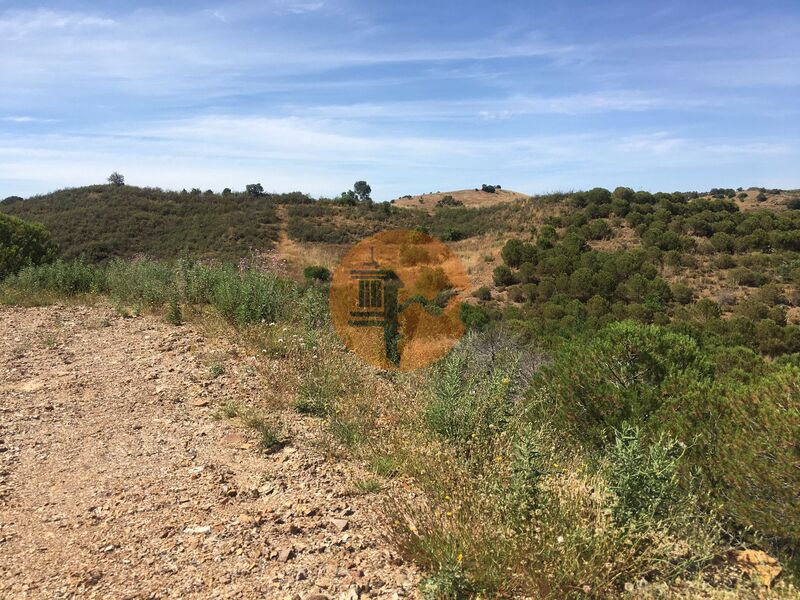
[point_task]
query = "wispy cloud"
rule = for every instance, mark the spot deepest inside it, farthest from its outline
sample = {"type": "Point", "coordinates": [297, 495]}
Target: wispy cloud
{"type": "Point", "coordinates": [16, 24]}
{"type": "Point", "coordinates": [407, 95]}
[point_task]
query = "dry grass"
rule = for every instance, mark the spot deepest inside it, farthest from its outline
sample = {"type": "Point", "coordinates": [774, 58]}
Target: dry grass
{"type": "Point", "coordinates": [470, 198]}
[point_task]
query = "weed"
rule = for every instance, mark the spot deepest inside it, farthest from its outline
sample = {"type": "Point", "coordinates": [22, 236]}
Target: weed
{"type": "Point", "coordinates": [174, 315]}
{"type": "Point", "coordinates": [270, 439]}
{"type": "Point", "coordinates": [384, 465]}
{"type": "Point", "coordinates": [370, 485]}
{"type": "Point", "coordinates": [216, 370]}
{"type": "Point", "coordinates": [448, 583]}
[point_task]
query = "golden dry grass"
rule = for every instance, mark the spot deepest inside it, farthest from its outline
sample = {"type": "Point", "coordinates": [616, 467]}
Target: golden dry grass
{"type": "Point", "coordinates": [470, 198]}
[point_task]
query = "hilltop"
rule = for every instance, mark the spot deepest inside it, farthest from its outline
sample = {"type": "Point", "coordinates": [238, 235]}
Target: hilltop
{"type": "Point", "coordinates": [475, 198]}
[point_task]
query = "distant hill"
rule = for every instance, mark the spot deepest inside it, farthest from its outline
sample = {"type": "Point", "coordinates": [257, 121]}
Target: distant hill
{"type": "Point", "coordinates": [475, 198]}
{"type": "Point", "coordinates": [105, 221]}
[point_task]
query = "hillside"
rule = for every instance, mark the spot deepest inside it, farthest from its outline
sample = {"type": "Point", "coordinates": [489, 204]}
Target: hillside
{"type": "Point", "coordinates": [105, 221]}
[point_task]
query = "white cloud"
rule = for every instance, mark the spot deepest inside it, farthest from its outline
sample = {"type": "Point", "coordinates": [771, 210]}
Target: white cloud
{"type": "Point", "coordinates": [25, 119]}
{"type": "Point", "coordinates": [323, 157]}
{"type": "Point", "coordinates": [19, 23]}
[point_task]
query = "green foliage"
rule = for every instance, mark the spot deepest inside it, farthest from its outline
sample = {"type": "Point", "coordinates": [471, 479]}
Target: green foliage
{"type": "Point", "coordinates": [254, 190]}
{"type": "Point", "coordinates": [59, 278]}
{"type": "Point", "coordinates": [22, 244]}
{"type": "Point", "coordinates": [103, 222]}
{"type": "Point", "coordinates": [502, 275]}
{"type": "Point", "coordinates": [448, 200]}
{"type": "Point", "coordinates": [317, 273]}
{"type": "Point", "coordinates": [174, 314]}
{"type": "Point", "coordinates": [483, 293]}
{"type": "Point", "coordinates": [743, 441]}
{"type": "Point", "coordinates": [469, 404]}
{"type": "Point", "coordinates": [241, 298]}
{"type": "Point", "coordinates": [474, 317]}
{"type": "Point", "coordinates": [448, 583]}
{"type": "Point", "coordinates": [643, 477]}
{"type": "Point", "coordinates": [595, 385]}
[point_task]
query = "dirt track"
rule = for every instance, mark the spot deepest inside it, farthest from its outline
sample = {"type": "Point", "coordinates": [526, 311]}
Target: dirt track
{"type": "Point", "coordinates": [115, 481]}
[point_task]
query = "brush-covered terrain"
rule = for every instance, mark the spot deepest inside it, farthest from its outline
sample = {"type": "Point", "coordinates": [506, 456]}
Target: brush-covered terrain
{"type": "Point", "coordinates": [621, 419]}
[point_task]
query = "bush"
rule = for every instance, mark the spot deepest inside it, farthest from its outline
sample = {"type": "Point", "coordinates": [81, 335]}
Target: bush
{"type": "Point", "coordinates": [483, 293]}
{"type": "Point", "coordinates": [749, 460]}
{"type": "Point", "coordinates": [59, 278]}
{"type": "Point", "coordinates": [643, 478]}
{"type": "Point", "coordinates": [748, 277]}
{"type": "Point", "coordinates": [317, 273]}
{"type": "Point", "coordinates": [23, 244]}
{"type": "Point", "coordinates": [503, 276]}
{"type": "Point", "coordinates": [596, 384]}
{"type": "Point", "coordinates": [682, 294]}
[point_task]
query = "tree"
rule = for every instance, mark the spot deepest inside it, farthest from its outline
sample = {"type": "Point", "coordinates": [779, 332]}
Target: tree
{"type": "Point", "coordinates": [254, 189]}
{"type": "Point", "coordinates": [226, 192]}
{"type": "Point", "coordinates": [116, 179]}
{"type": "Point", "coordinates": [363, 191]}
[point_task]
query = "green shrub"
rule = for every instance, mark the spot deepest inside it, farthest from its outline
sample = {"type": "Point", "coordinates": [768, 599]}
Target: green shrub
{"type": "Point", "coordinates": [252, 297]}
{"type": "Point", "coordinates": [748, 277]}
{"type": "Point", "coordinates": [483, 293]}
{"type": "Point", "coordinates": [467, 402]}
{"type": "Point", "coordinates": [617, 375]}
{"type": "Point", "coordinates": [643, 478]}
{"type": "Point", "coordinates": [59, 278]}
{"type": "Point", "coordinates": [682, 294]}
{"type": "Point", "coordinates": [502, 275]}
{"type": "Point", "coordinates": [743, 440]}
{"type": "Point", "coordinates": [317, 273]}
{"type": "Point", "coordinates": [174, 314]}
{"type": "Point", "coordinates": [141, 282]}
{"type": "Point", "coordinates": [23, 244]}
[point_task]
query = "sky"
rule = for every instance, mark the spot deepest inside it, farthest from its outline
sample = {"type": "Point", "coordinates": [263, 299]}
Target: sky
{"type": "Point", "coordinates": [411, 96]}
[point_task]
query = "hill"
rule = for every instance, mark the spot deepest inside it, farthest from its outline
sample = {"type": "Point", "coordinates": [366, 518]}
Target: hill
{"type": "Point", "coordinates": [106, 221]}
{"type": "Point", "coordinates": [474, 198]}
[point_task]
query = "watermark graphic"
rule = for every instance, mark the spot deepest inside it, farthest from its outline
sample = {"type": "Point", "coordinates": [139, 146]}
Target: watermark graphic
{"type": "Point", "coordinates": [395, 299]}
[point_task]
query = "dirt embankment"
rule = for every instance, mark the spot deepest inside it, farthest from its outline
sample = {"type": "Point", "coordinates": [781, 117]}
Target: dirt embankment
{"type": "Point", "coordinates": [115, 480]}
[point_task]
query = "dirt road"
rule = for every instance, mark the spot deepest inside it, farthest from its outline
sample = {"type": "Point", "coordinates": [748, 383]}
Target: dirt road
{"type": "Point", "coordinates": [115, 480]}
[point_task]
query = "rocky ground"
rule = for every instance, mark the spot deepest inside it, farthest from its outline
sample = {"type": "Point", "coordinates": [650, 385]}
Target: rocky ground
{"type": "Point", "coordinates": [116, 480]}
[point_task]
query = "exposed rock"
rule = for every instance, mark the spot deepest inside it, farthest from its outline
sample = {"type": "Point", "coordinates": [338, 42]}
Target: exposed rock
{"type": "Point", "coordinates": [757, 565]}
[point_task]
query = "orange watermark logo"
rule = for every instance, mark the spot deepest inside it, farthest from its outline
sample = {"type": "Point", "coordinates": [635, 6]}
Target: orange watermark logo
{"type": "Point", "coordinates": [394, 299]}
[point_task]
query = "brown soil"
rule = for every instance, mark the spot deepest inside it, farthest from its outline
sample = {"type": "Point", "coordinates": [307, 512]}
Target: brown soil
{"type": "Point", "coordinates": [115, 480]}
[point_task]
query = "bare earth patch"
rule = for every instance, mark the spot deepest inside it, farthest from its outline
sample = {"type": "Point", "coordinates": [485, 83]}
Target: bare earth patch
{"type": "Point", "coordinates": [115, 480]}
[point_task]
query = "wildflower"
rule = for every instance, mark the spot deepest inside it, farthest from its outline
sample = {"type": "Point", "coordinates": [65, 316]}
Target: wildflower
{"type": "Point", "coordinates": [506, 381]}
{"type": "Point", "coordinates": [460, 557]}
{"type": "Point", "coordinates": [560, 539]}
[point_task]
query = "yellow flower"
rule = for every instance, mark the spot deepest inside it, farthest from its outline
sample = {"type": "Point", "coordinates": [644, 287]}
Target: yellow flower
{"type": "Point", "coordinates": [460, 557]}
{"type": "Point", "coordinates": [447, 497]}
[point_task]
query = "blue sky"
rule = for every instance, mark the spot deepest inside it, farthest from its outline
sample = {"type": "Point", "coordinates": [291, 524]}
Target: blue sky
{"type": "Point", "coordinates": [412, 96]}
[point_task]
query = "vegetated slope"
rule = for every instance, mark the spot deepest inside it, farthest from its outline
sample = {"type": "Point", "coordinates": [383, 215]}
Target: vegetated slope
{"type": "Point", "coordinates": [105, 221]}
{"type": "Point", "coordinates": [475, 198]}
{"type": "Point", "coordinates": [699, 264]}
